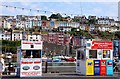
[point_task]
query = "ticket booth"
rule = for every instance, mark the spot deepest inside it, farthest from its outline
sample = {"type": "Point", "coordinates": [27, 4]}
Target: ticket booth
{"type": "Point", "coordinates": [29, 60]}
{"type": "Point", "coordinates": [92, 59]}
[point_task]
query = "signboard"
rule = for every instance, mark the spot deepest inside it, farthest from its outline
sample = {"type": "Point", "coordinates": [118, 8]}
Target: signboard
{"type": "Point", "coordinates": [89, 67]}
{"type": "Point", "coordinates": [102, 67]}
{"type": "Point", "coordinates": [101, 45]}
{"type": "Point", "coordinates": [109, 67]}
{"type": "Point", "coordinates": [32, 45]}
{"type": "Point", "coordinates": [96, 67]}
{"type": "Point", "coordinates": [31, 67]}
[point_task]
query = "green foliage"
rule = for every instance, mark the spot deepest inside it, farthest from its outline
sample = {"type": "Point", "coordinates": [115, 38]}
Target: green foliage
{"type": "Point", "coordinates": [44, 32]}
{"type": "Point", "coordinates": [107, 35]}
{"type": "Point", "coordinates": [92, 21]}
{"type": "Point", "coordinates": [57, 16]}
{"type": "Point", "coordinates": [117, 35]}
{"type": "Point", "coordinates": [43, 17]}
{"type": "Point", "coordinates": [79, 33]}
{"type": "Point", "coordinates": [10, 46]}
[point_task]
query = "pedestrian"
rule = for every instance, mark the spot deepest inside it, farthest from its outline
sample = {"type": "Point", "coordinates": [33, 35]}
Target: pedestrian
{"type": "Point", "coordinates": [2, 65]}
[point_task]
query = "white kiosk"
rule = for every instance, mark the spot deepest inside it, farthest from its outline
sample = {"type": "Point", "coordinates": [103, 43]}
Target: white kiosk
{"type": "Point", "coordinates": [96, 58]}
{"type": "Point", "coordinates": [29, 60]}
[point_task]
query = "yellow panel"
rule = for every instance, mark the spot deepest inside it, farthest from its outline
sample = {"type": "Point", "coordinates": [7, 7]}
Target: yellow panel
{"type": "Point", "coordinates": [89, 67]}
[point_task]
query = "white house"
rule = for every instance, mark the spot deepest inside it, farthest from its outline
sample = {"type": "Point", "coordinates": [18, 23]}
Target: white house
{"type": "Point", "coordinates": [63, 28]}
{"type": "Point", "coordinates": [16, 35]}
{"type": "Point", "coordinates": [35, 36]}
{"type": "Point", "coordinates": [114, 29]}
{"type": "Point", "coordinates": [103, 28]}
{"type": "Point", "coordinates": [82, 27]}
{"type": "Point", "coordinates": [109, 28]}
{"type": "Point", "coordinates": [4, 35]}
{"type": "Point", "coordinates": [105, 21]}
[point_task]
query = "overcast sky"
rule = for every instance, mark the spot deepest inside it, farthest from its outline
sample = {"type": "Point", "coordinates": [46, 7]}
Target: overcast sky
{"type": "Point", "coordinates": [64, 7]}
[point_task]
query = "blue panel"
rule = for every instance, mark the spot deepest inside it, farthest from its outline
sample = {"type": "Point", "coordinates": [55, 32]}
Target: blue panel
{"type": "Point", "coordinates": [109, 67]}
{"type": "Point", "coordinates": [96, 67]}
{"type": "Point", "coordinates": [52, 23]}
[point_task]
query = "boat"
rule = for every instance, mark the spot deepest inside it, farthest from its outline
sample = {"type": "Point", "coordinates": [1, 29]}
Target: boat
{"type": "Point", "coordinates": [56, 59]}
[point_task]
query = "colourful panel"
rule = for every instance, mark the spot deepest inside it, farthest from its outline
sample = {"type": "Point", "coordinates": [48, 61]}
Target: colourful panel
{"type": "Point", "coordinates": [102, 67]}
{"type": "Point", "coordinates": [96, 67]}
{"type": "Point", "coordinates": [109, 67]}
{"type": "Point", "coordinates": [89, 67]}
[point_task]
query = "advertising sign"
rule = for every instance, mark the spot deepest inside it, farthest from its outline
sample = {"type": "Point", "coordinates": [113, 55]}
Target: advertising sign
{"type": "Point", "coordinates": [109, 67]}
{"type": "Point", "coordinates": [101, 45]}
{"type": "Point", "coordinates": [89, 67]}
{"type": "Point", "coordinates": [102, 67]}
{"type": "Point", "coordinates": [31, 45]}
{"type": "Point", "coordinates": [31, 67]}
{"type": "Point", "coordinates": [96, 67]}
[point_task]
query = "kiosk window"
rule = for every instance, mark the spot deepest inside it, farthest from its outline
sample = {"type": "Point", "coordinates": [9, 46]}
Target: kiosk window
{"type": "Point", "coordinates": [92, 53]}
{"type": "Point", "coordinates": [80, 55]}
{"type": "Point", "coordinates": [31, 54]}
{"type": "Point", "coordinates": [106, 53]}
{"type": "Point", "coordinates": [36, 53]}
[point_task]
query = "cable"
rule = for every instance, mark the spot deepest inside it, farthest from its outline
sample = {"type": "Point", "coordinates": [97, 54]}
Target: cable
{"type": "Point", "coordinates": [37, 10]}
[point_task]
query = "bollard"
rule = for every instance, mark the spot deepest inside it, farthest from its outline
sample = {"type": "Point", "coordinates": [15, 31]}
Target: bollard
{"type": "Point", "coordinates": [46, 66]}
{"type": "Point", "coordinates": [9, 68]}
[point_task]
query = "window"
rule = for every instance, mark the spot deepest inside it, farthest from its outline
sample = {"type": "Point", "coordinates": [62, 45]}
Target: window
{"type": "Point", "coordinates": [92, 53]}
{"type": "Point", "coordinates": [32, 46]}
{"type": "Point", "coordinates": [30, 37]}
{"type": "Point", "coordinates": [36, 53]}
{"type": "Point", "coordinates": [31, 53]}
{"type": "Point", "coordinates": [106, 53]}
{"type": "Point", "coordinates": [36, 37]}
{"type": "Point", "coordinates": [80, 55]}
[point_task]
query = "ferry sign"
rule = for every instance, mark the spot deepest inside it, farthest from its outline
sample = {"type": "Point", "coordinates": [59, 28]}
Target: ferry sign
{"type": "Point", "coordinates": [101, 45]}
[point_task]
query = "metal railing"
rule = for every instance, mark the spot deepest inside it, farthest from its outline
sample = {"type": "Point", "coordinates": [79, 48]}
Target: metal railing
{"type": "Point", "coordinates": [59, 67]}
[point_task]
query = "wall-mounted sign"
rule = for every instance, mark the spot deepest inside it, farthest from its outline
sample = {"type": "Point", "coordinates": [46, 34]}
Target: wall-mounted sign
{"type": "Point", "coordinates": [101, 45]}
{"type": "Point", "coordinates": [31, 67]}
{"type": "Point", "coordinates": [31, 45]}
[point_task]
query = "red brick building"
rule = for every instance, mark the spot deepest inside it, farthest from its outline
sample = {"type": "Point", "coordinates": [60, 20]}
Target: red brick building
{"type": "Point", "coordinates": [58, 38]}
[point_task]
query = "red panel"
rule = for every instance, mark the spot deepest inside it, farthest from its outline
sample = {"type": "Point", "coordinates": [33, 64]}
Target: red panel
{"type": "Point", "coordinates": [101, 45]}
{"type": "Point", "coordinates": [102, 67]}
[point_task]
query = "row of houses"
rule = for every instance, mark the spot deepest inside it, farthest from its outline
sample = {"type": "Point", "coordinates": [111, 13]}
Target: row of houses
{"type": "Point", "coordinates": [58, 38]}
{"type": "Point", "coordinates": [30, 21]}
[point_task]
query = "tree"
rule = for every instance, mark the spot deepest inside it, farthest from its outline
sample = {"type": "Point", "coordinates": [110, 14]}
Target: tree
{"type": "Point", "coordinates": [44, 18]}
{"type": "Point", "coordinates": [10, 46]}
{"type": "Point", "coordinates": [92, 21]}
{"type": "Point", "coordinates": [117, 35]}
{"type": "Point", "coordinates": [67, 17]}
{"type": "Point", "coordinates": [57, 16]}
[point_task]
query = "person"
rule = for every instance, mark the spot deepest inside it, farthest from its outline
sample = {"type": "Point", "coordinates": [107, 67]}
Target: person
{"type": "Point", "coordinates": [2, 65]}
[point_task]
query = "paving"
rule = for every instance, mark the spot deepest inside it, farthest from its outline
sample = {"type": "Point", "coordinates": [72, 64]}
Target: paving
{"type": "Point", "coordinates": [66, 76]}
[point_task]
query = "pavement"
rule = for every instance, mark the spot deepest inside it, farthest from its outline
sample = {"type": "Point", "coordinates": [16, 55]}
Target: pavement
{"type": "Point", "coordinates": [64, 76]}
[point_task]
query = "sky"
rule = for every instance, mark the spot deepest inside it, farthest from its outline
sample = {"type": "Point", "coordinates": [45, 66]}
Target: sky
{"type": "Point", "coordinates": [64, 7]}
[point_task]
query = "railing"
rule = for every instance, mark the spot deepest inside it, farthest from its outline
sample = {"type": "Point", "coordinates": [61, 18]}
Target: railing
{"type": "Point", "coordinates": [59, 67]}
